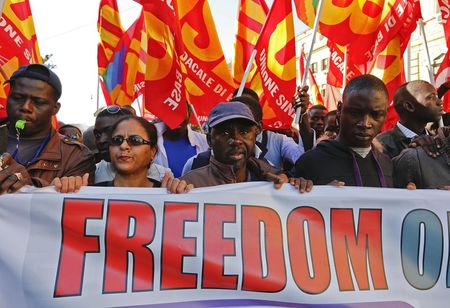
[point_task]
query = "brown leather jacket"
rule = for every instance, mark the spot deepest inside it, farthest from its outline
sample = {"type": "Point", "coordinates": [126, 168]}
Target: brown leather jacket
{"type": "Point", "coordinates": [61, 157]}
{"type": "Point", "coordinates": [217, 173]}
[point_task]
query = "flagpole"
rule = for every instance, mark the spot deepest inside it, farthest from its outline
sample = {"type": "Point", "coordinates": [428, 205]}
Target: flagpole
{"type": "Point", "coordinates": [196, 118]}
{"type": "Point", "coordinates": [430, 67]}
{"type": "Point", "coordinates": [140, 105]}
{"type": "Point", "coordinates": [2, 2]}
{"type": "Point", "coordinates": [143, 105]}
{"type": "Point", "coordinates": [247, 71]}
{"type": "Point", "coordinates": [408, 62]}
{"type": "Point", "coordinates": [3, 73]}
{"type": "Point", "coordinates": [344, 77]}
{"type": "Point", "coordinates": [98, 93]}
{"type": "Point", "coordinates": [308, 60]}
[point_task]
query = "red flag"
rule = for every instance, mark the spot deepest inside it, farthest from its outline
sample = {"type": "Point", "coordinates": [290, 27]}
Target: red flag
{"type": "Point", "coordinates": [18, 43]}
{"type": "Point", "coordinates": [208, 79]}
{"type": "Point", "coordinates": [110, 30]}
{"type": "Point", "coordinates": [365, 26]}
{"type": "Point", "coordinates": [445, 13]}
{"type": "Point", "coordinates": [335, 76]}
{"type": "Point", "coordinates": [389, 67]}
{"type": "Point", "coordinates": [317, 96]}
{"type": "Point", "coordinates": [164, 80]}
{"type": "Point", "coordinates": [443, 75]}
{"type": "Point", "coordinates": [275, 58]}
{"type": "Point", "coordinates": [251, 18]}
{"type": "Point", "coordinates": [389, 63]}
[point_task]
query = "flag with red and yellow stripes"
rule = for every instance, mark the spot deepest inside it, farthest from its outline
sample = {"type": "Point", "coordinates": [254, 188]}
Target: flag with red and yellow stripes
{"type": "Point", "coordinates": [251, 17]}
{"type": "Point", "coordinates": [276, 62]}
{"type": "Point", "coordinates": [110, 29]}
{"type": "Point", "coordinates": [18, 43]}
{"type": "Point", "coordinates": [123, 77]}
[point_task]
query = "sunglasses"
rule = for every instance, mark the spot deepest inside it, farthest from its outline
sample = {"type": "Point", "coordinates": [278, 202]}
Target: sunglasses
{"type": "Point", "coordinates": [133, 140]}
{"type": "Point", "coordinates": [73, 136]}
{"type": "Point", "coordinates": [111, 109]}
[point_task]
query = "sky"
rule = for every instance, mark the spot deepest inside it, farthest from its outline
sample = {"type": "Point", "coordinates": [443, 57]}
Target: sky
{"type": "Point", "coordinates": [68, 30]}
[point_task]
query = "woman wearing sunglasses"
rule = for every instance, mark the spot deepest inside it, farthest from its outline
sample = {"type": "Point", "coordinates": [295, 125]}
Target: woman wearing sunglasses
{"type": "Point", "coordinates": [132, 149]}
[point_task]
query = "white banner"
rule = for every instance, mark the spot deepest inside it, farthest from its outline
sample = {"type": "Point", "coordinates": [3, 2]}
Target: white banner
{"type": "Point", "coordinates": [233, 245]}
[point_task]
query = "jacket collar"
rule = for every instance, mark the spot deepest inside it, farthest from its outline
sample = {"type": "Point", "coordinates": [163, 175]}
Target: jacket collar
{"type": "Point", "coordinates": [52, 151]}
{"type": "Point", "coordinates": [222, 170]}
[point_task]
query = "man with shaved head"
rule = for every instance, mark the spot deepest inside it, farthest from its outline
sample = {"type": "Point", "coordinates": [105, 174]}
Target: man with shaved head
{"type": "Point", "coordinates": [417, 103]}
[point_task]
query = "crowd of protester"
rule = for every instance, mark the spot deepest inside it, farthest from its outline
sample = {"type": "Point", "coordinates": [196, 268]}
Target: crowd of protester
{"type": "Point", "coordinates": [337, 147]}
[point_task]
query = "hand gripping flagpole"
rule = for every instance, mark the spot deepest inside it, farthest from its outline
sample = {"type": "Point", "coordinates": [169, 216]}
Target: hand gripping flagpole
{"type": "Point", "coordinates": [247, 71]}
{"type": "Point", "coordinates": [308, 60]}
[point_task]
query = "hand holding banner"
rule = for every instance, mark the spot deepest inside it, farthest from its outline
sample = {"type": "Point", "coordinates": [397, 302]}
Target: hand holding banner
{"type": "Point", "coordinates": [241, 245]}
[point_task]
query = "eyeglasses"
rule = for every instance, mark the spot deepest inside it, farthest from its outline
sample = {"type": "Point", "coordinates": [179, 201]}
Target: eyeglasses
{"type": "Point", "coordinates": [133, 140]}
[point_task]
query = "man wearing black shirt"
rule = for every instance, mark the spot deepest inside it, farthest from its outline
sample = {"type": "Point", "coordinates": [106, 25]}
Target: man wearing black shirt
{"type": "Point", "coordinates": [350, 158]}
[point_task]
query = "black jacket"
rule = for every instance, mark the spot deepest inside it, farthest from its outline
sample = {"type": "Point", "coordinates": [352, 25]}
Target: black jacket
{"type": "Point", "coordinates": [331, 160]}
{"type": "Point", "coordinates": [393, 141]}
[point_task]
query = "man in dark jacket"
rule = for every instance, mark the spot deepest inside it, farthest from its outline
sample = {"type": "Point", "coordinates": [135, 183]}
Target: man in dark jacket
{"type": "Point", "coordinates": [36, 153]}
{"type": "Point", "coordinates": [350, 158]}
{"type": "Point", "coordinates": [414, 165]}
{"type": "Point", "coordinates": [417, 103]}
{"type": "Point", "coordinates": [232, 131]}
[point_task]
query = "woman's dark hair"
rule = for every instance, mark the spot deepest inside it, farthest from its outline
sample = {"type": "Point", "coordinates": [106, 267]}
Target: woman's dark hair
{"type": "Point", "coordinates": [149, 127]}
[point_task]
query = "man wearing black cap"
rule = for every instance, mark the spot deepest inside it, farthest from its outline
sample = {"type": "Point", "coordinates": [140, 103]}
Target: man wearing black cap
{"type": "Point", "coordinates": [231, 135]}
{"type": "Point", "coordinates": [36, 153]}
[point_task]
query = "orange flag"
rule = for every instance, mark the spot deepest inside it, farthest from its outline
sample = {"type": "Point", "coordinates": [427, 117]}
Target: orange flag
{"type": "Point", "coordinates": [365, 26]}
{"type": "Point", "coordinates": [251, 17]}
{"type": "Point", "coordinates": [18, 43]}
{"type": "Point", "coordinates": [208, 79]}
{"type": "Point", "coordinates": [317, 96]}
{"type": "Point", "coordinates": [110, 30]}
{"type": "Point", "coordinates": [164, 80]}
{"type": "Point", "coordinates": [276, 62]}
{"type": "Point", "coordinates": [389, 67]}
{"type": "Point", "coordinates": [389, 62]}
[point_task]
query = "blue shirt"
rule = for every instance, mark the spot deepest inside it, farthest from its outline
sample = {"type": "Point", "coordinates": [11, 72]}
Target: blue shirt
{"type": "Point", "coordinates": [178, 152]}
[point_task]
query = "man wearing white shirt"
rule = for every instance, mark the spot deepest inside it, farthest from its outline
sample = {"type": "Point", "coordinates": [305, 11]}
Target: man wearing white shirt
{"type": "Point", "coordinates": [417, 104]}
